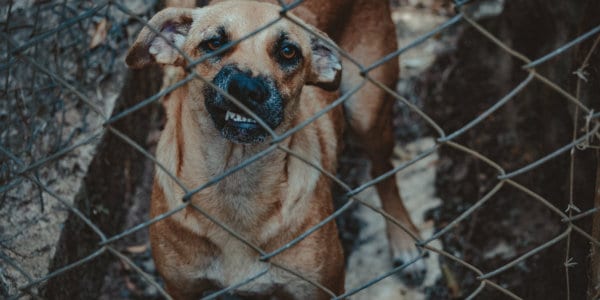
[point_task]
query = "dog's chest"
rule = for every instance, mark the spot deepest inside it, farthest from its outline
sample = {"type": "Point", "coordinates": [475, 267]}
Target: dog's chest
{"type": "Point", "coordinates": [239, 266]}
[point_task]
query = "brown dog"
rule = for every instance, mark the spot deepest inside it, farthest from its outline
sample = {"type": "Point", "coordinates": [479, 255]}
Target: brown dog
{"type": "Point", "coordinates": [282, 75]}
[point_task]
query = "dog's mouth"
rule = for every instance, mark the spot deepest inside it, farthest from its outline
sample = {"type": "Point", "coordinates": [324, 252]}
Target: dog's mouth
{"type": "Point", "coordinates": [236, 126]}
{"type": "Point", "coordinates": [259, 94]}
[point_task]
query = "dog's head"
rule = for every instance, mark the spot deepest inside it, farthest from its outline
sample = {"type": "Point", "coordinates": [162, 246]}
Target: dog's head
{"type": "Point", "coordinates": [265, 70]}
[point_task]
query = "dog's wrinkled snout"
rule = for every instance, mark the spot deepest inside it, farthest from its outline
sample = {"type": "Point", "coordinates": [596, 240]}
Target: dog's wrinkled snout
{"type": "Point", "coordinates": [249, 90]}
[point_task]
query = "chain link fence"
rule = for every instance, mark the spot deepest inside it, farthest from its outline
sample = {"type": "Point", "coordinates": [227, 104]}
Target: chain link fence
{"type": "Point", "coordinates": [60, 62]}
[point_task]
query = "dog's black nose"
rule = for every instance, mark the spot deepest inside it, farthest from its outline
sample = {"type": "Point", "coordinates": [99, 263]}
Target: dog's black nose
{"type": "Point", "coordinates": [248, 89]}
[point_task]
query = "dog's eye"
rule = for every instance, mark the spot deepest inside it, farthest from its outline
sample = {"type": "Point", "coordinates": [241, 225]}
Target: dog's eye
{"type": "Point", "coordinates": [213, 44]}
{"type": "Point", "coordinates": [288, 52]}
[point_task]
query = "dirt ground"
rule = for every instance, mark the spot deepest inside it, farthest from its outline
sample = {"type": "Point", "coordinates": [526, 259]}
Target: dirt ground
{"type": "Point", "coordinates": [466, 81]}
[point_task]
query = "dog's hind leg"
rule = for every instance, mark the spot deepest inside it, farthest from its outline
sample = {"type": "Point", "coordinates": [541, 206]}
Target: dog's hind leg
{"type": "Point", "coordinates": [369, 36]}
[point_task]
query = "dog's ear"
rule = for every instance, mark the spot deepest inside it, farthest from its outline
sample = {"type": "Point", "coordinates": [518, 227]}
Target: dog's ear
{"type": "Point", "coordinates": [150, 47]}
{"type": "Point", "coordinates": [326, 67]}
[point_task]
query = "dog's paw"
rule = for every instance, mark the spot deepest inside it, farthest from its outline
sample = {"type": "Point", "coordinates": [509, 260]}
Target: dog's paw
{"type": "Point", "coordinates": [405, 253]}
{"type": "Point", "coordinates": [414, 273]}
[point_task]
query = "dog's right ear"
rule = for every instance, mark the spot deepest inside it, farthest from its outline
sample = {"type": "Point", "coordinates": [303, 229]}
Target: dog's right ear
{"type": "Point", "coordinates": [326, 71]}
{"type": "Point", "coordinates": [150, 47]}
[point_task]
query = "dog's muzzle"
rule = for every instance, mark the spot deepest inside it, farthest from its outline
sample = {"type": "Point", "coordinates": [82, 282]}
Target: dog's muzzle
{"type": "Point", "coordinates": [258, 93]}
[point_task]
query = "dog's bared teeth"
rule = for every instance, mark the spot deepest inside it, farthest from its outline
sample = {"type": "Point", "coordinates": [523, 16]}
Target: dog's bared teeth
{"type": "Point", "coordinates": [229, 115]}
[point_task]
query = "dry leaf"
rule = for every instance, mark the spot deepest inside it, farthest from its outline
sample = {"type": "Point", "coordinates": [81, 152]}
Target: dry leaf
{"type": "Point", "coordinates": [180, 3]}
{"type": "Point", "coordinates": [451, 282]}
{"type": "Point", "coordinates": [99, 34]}
{"type": "Point", "coordinates": [137, 249]}
{"type": "Point", "coordinates": [130, 285]}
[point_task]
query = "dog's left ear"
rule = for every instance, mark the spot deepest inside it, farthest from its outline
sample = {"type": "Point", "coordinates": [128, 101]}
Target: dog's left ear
{"type": "Point", "coordinates": [326, 66]}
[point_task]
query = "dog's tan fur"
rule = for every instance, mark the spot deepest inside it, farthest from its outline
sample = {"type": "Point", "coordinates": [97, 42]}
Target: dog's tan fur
{"type": "Point", "coordinates": [278, 197]}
